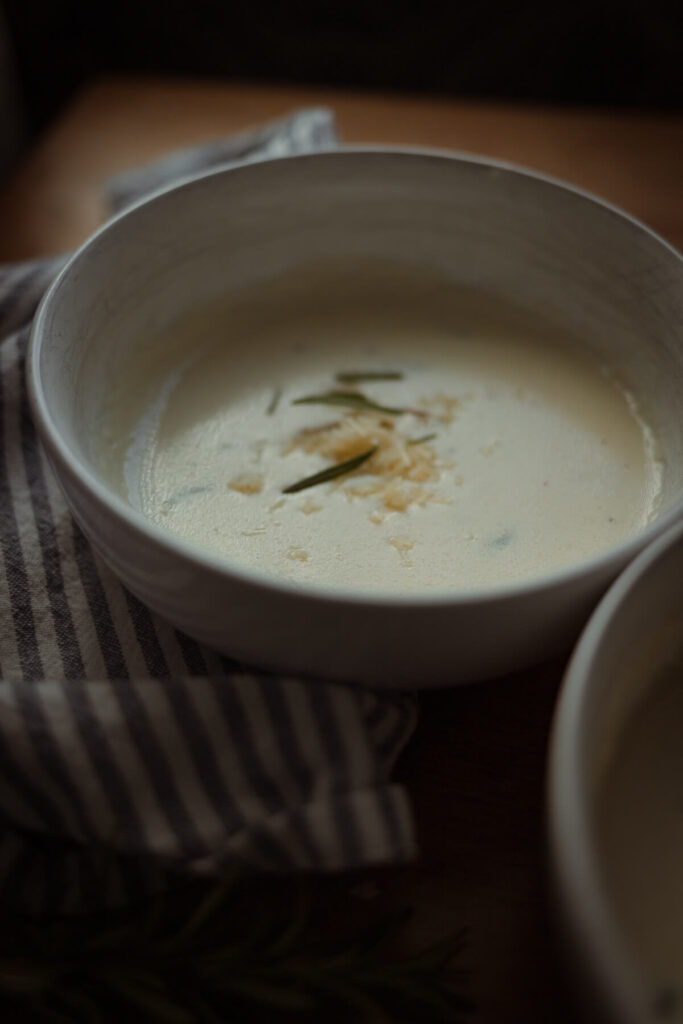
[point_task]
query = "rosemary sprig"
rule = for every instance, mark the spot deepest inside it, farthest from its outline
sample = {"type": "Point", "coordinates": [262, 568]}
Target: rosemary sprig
{"type": "Point", "coordinates": [358, 376]}
{"type": "Point", "coordinates": [421, 440]}
{"type": "Point", "coordinates": [239, 950]}
{"type": "Point", "coordinates": [331, 473]}
{"type": "Point", "coordinates": [274, 401]}
{"type": "Point", "coordinates": [354, 400]}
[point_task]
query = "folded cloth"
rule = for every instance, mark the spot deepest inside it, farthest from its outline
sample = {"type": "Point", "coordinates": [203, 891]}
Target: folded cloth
{"type": "Point", "coordinates": [125, 743]}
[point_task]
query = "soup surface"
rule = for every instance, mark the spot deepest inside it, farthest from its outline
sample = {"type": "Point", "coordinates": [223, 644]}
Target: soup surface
{"type": "Point", "coordinates": [469, 444]}
{"type": "Point", "coordinates": [641, 841]}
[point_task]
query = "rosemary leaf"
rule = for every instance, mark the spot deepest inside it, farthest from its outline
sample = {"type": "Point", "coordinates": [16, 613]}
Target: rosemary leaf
{"type": "Point", "coordinates": [213, 902]}
{"type": "Point", "coordinates": [421, 440]}
{"type": "Point", "coordinates": [148, 1003]}
{"type": "Point", "coordinates": [285, 939]}
{"type": "Point", "coordinates": [357, 376]}
{"type": "Point", "coordinates": [49, 1014]}
{"type": "Point", "coordinates": [205, 1013]}
{"type": "Point", "coordinates": [360, 1002]}
{"type": "Point", "coordinates": [82, 1007]}
{"type": "Point", "coordinates": [338, 469]}
{"type": "Point", "coordinates": [369, 939]}
{"type": "Point", "coordinates": [353, 400]}
{"type": "Point", "coordinates": [263, 991]}
{"type": "Point", "coordinates": [274, 401]}
{"type": "Point", "coordinates": [438, 956]}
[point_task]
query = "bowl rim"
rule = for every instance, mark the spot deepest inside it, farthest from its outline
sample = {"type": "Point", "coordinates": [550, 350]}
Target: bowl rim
{"type": "Point", "coordinates": [601, 563]}
{"type": "Point", "coordinates": [582, 902]}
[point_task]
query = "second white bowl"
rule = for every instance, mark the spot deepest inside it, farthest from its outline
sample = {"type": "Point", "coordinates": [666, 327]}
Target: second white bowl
{"type": "Point", "coordinates": [615, 796]}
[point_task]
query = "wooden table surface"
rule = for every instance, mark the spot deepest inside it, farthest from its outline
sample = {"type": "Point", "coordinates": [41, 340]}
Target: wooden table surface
{"type": "Point", "coordinates": [475, 769]}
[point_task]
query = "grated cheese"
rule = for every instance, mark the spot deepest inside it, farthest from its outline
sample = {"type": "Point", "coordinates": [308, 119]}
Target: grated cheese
{"type": "Point", "coordinates": [398, 468]}
{"type": "Point", "coordinates": [247, 483]}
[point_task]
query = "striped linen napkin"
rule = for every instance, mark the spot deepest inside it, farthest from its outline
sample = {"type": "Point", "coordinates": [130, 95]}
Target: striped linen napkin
{"type": "Point", "coordinates": [124, 742]}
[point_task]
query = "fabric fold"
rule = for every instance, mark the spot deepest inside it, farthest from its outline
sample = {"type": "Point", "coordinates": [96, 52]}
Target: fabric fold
{"type": "Point", "coordinates": [129, 754]}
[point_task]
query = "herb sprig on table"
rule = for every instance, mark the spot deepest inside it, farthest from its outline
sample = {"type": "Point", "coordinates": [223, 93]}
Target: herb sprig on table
{"type": "Point", "coordinates": [234, 954]}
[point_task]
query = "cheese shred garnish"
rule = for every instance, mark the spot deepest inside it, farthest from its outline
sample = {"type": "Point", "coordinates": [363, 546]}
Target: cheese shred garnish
{"type": "Point", "coordinates": [396, 474]}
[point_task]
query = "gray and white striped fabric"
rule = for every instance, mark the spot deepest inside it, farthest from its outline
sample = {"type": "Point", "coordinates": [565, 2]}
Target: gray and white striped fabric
{"type": "Point", "coordinates": [128, 753]}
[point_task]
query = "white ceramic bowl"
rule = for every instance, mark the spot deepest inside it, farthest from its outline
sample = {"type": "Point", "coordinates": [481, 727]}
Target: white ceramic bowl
{"type": "Point", "coordinates": [519, 235]}
{"type": "Point", "coordinates": [634, 637]}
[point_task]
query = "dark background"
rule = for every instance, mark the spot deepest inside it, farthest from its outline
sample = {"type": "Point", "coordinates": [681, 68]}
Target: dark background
{"type": "Point", "coordinates": [603, 52]}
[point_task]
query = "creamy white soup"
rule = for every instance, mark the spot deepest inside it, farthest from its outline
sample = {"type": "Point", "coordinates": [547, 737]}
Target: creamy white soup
{"type": "Point", "coordinates": [641, 841]}
{"type": "Point", "coordinates": [465, 443]}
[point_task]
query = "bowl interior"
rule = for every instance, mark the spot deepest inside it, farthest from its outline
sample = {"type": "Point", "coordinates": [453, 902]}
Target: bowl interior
{"type": "Point", "coordinates": [520, 238]}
